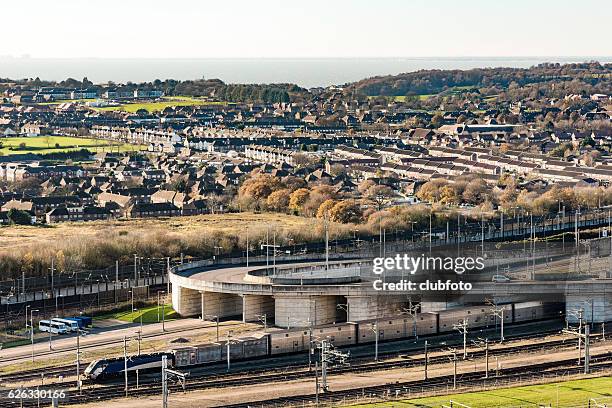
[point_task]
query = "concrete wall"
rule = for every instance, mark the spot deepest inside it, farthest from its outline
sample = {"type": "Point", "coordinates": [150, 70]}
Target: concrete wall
{"type": "Point", "coordinates": [600, 310]}
{"type": "Point", "coordinates": [430, 306]}
{"type": "Point", "coordinates": [254, 306]}
{"type": "Point", "coordinates": [373, 307]}
{"type": "Point", "coordinates": [186, 302]}
{"type": "Point", "coordinates": [298, 311]}
{"type": "Point", "coordinates": [220, 304]}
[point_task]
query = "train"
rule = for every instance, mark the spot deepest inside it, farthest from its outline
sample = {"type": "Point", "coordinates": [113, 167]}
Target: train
{"type": "Point", "coordinates": [341, 335]}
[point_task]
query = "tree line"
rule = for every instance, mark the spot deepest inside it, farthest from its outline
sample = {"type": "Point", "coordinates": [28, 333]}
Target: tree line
{"type": "Point", "coordinates": [593, 76]}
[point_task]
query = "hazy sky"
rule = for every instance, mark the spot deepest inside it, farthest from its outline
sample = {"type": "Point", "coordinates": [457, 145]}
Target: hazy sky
{"type": "Point", "coordinates": [313, 28]}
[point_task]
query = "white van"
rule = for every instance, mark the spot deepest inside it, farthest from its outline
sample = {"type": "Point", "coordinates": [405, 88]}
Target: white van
{"type": "Point", "coordinates": [53, 327]}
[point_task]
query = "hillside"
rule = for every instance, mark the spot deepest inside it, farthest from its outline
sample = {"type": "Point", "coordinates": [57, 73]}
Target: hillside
{"type": "Point", "coordinates": [585, 77]}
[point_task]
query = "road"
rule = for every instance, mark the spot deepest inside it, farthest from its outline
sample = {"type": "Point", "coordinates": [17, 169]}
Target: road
{"type": "Point", "coordinates": [107, 334]}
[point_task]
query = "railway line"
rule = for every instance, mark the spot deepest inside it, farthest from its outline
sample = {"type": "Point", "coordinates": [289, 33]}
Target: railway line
{"type": "Point", "coordinates": [103, 343]}
{"type": "Point", "coordinates": [400, 389]}
{"type": "Point", "coordinates": [206, 381]}
{"type": "Point", "coordinates": [69, 370]}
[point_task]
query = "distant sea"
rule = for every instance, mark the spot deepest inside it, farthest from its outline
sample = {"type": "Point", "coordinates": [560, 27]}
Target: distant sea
{"type": "Point", "coordinates": [308, 72]}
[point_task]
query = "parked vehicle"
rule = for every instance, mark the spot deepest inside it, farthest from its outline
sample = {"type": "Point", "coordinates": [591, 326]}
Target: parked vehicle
{"type": "Point", "coordinates": [53, 327]}
{"type": "Point", "coordinates": [72, 325]}
{"type": "Point", "coordinates": [83, 321]}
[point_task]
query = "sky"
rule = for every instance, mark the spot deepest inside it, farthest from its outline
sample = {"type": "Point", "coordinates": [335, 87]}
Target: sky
{"type": "Point", "coordinates": [305, 29]}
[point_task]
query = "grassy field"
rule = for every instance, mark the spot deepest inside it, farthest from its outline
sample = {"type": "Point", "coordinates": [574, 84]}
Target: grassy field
{"type": "Point", "coordinates": [159, 105]}
{"type": "Point", "coordinates": [58, 102]}
{"type": "Point", "coordinates": [402, 98]}
{"type": "Point", "coordinates": [12, 237]}
{"type": "Point", "coordinates": [564, 394]}
{"type": "Point", "coordinates": [149, 315]}
{"type": "Point", "coordinates": [53, 144]}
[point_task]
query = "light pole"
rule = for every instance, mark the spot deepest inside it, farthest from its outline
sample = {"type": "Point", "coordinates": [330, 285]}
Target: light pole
{"type": "Point", "coordinates": [430, 231]}
{"type": "Point", "coordinates": [125, 364]}
{"type": "Point", "coordinates": [579, 314]}
{"type": "Point", "coordinates": [229, 336]}
{"type": "Point", "coordinates": [590, 302]}
{"type": "Point", "coordinates": [264, 319]}
{"type": "Point", "coordinates": [454, 360]}
{"type": "Point", "coordinates": [374, 328]}
{"type": "Point", "coordinates": [346, 307]}
{"type": "Point", "coordinates": [498, 311]}
{"type": "Point", "coordinates": [458, 233]}
{"type": "Point", "coordinates": [163, 311]}
{"type": "Point", "coordinates": [26, 319]}
{"type": "Point", "coordinates": [412, 312]}
{"type": "Point", "coordinates": [426, 359]}
{"type": "Point", "coordinates": [56, 300]}
{"type": "Point", "coordinates": [50, 346]}
{"type": "Point", "coordinates": [247, 247]}
{"type": "Point", "coordinates": [216, 317]}
{"type": "Point", "coordinates": [135, 269]}
{"type": "Point", "coordinates": [463, 329]}
{"type": "Point", "coordinates": [485, 345]}
{"type": "Point", "coordinates": [78, 359]}
{"type": "Point", "coordinates": [32, 330]}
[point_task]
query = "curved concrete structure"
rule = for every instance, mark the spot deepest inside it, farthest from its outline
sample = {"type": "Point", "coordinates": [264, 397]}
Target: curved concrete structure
{"type": "Point", "coordinates": [292, 293]}
{"type": "Point", "coordinates": [299, 292]}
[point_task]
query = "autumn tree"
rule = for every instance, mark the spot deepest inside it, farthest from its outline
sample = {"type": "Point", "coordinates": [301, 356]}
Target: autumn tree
{"type": "Point", "coordinates": [278, 200]}
{"type": "Point", "coordinates": [437, 120]}
{"type": "Point", "coordinates": [325, 208]}
{"type": "Point", "coordinates": [297, 199]}
{"type": "Point", "coordinates": [474, 192]}
{"type": "Point", "coordinates": [346, 211]}
{"type": "Point", "coordinates": [379, 194]}
{"type": "Point", "coordinates": [305, 159]}
{"type": "Point", "coordinates": [430, 191]}
{"type": "Point", "coordinates": [365, 185]}
{"type": "Point", "coordinates": [317, 196]}
{"type": "Point", "coordinates": [255, 190]}
{"type": "Point", "coordinates": [449, 196]}
{"type": "Point", "coordinates": [338, 170]}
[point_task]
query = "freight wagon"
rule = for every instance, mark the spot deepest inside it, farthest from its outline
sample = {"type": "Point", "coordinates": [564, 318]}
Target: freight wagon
{"type": "Point", "coordinates": [343, 334]}
{"type": "Point", "coordinates": [297, 340]}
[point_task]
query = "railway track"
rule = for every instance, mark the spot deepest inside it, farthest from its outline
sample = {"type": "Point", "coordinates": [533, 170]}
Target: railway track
{"type": "Point", "coordinates": [70, 370]}
{"type": "Point", "coordinates": [110, 343]}
{"type": "Point", "coordinates": [198, 382]}
{"type": "Point", "coordinates": [399, 389]}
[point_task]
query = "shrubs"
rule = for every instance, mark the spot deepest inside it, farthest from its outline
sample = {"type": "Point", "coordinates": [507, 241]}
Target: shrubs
{"type": "Point", "coordinates": [115, 243]}
{"type": "Point", "coordinates": [19, 217]}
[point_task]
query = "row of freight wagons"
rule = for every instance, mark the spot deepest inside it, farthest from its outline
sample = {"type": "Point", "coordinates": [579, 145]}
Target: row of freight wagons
{"type": "Point", "coordinates": [346, 334]}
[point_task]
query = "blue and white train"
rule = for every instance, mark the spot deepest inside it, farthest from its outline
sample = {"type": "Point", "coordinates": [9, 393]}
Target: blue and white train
{"type": "Point", "coordinates": [115, 367]}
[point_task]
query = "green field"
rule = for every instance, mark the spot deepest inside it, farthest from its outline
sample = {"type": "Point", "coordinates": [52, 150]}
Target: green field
{"type": "Point", "coordinates": [53, 144]}
{"type": "Point", "coordinates": [60, 101]}
{"type": "Point", "coordinates": [402, 98]}
{"type": "Point", "coordinates": [149, 315]}
{"type": "Point", "coordinates": [159, 105]}
{"type": "Point", "coordinates": [565, 394]}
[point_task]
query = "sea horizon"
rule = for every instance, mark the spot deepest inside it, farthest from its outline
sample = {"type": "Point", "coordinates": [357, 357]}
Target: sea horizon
{"type": "Point", "coordinates": [305, 72]}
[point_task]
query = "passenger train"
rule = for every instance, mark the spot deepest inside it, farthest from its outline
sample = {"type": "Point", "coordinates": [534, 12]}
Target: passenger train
{"type": "Point", "coordinates": [343, 334]}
